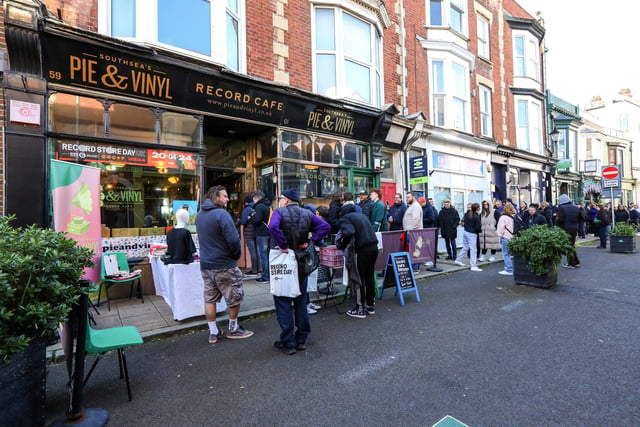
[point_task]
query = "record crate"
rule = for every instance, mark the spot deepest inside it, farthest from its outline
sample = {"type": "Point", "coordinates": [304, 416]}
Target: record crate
{"type": "Point", "coordinates": [330, 256]}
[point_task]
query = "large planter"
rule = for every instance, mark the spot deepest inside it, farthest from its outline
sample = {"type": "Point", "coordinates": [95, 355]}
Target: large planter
{"type": "Point", "coordinates": [23, 387]}
{"type": "Point", "coordinates": [624, 244]}
{"type": "Point", "coordinates": [523, 276]}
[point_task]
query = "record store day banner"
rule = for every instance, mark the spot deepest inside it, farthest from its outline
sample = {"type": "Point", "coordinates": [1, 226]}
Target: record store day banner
{"type": "Point", "coordinates": [75, 193]}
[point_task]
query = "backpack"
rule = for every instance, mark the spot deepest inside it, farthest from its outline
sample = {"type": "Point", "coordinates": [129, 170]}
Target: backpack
{"type": "Point", "coordinates": [518, 224]}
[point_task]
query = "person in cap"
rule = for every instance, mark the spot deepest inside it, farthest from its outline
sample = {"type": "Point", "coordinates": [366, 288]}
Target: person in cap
{"type": "Point", "coordinates": [569, 217]}
{"type": "Point", "coordinates": [220, 251]}
{"type": "Point", "coordinates": [428, 217]}
{"type": "Point", "coordinates": [290, 228]}
{"type": "Point", "coordinates": [365, 204]}
{"type": "Point", "coordinates": [249, 234]}
{"type": "Point", "coordinates": [260, 220]}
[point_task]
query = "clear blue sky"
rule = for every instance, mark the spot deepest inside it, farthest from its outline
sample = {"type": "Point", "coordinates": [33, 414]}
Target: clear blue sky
{"type": "Point", "coordinates": [592, 47]}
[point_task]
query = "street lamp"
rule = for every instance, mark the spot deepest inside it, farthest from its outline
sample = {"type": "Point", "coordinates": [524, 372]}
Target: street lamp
{"type": "Point", "coordinates": [555, 137]}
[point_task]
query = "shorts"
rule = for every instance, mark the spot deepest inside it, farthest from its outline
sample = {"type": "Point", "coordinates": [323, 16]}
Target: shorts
{"type": "Point", "coordinates": [219, 283]}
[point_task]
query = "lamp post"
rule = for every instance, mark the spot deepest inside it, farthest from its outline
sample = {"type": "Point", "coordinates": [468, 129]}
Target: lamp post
{"type": "Point", "coordinates": [555, 137]}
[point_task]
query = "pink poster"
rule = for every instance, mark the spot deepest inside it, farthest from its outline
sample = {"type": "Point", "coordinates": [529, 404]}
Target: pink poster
{"type": "Point", "coordinates": [75, 194]}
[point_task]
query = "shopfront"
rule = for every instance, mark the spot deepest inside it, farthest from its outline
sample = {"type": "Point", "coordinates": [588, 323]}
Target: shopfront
{"type": "Point", "coordinates": [163, 130]}
{"type": "Point", "coordinates": [523, 180]}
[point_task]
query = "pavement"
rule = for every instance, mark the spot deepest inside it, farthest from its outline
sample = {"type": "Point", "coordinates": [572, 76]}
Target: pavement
{"type": "Point", "coordinates": [154, 318]}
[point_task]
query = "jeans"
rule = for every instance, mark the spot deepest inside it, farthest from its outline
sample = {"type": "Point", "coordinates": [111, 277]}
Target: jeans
{"type": "Point", "coordinates": [450, 244]}
{"type": "Point", "coordinates": [603, 232]}
{"type": "Point", "coordinates": [469, 243]}
{"type": "Point", "coordinates": [293, 317]}
{"type": "Point", "coordinates": [508, 263]}
{"type": "Point", "coordinates": [262, 242]}
{"type": "Point", "coordinates": [253, 253]}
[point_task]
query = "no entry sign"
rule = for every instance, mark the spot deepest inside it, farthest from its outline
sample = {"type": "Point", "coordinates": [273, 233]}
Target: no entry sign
{"type": "Point", "coordinates": [610, 172]}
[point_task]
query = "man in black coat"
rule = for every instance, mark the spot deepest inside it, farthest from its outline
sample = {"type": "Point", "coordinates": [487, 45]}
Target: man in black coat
{"type": "Point", "coordinates": [569, 216]}
{"type": "Point", "coordinates": [357, 237]}
{"type": "Point", "coordinates": [365, 204]}
{"type": "Point", "coordinates": [534, 216]}
{"type": "Point", "coordinates": [448, 221]}
{"type": "Point", "coordinates": [260, 220]}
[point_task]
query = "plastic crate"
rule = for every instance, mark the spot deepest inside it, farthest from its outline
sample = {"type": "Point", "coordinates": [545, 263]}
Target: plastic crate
{"type": "Point", "coordinates": [330, 256]}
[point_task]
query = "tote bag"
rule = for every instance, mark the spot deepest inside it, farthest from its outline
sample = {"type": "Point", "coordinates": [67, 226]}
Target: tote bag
{"type": "Point", "coordinates": [283, 269]}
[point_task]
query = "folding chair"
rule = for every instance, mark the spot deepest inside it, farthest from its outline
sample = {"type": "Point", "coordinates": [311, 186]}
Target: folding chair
{"type": "Point", "coordinates": [99, 341]}
{"type": "Point", "coordinates": [114, 269]}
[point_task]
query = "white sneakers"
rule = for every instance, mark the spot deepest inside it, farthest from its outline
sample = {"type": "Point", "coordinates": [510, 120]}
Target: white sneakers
{"type": "Point", "coordinates": [492, 258]}
{"type": "Point", "coordinates": [476, 269]}
{"type": "Point", "coordinates": [482, 258]}
{"type": "Point", "coordinates": [460, 263]}
{"type": "Point", "coordinates": [505, 273]}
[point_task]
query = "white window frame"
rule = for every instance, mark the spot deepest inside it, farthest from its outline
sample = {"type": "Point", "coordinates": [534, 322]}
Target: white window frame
{"type": "Point", "coordinates": [529, 131]}
{"type": "Point", "coordinates": [526, 63]}
{"type": "Point", "coordinates": [447, 6]}
{"type": "Point", "coordinates": [449, 94]}
{"type": "Point", "coordinates": [484, 42]}
{"type": "Point", "coordinates": [375, 67]}
{"type": "Point", "coordinates": [146, 24]}
{"type": "Point", "coordinates": [485, 99]}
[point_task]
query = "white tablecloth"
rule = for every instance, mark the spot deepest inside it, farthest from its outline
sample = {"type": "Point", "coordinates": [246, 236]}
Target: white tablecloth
{"type": "Point", "coordinates": [181, 286]}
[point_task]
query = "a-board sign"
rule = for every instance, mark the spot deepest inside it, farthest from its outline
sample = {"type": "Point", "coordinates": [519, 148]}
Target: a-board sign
{"type": "Point", "coordinates": [399, 274]}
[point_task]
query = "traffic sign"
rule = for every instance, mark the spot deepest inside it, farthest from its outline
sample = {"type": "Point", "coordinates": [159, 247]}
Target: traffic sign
{"type": "Point", "coordinates": [610, 172]}
{"type": "Point", "coordinates": [610, 183]}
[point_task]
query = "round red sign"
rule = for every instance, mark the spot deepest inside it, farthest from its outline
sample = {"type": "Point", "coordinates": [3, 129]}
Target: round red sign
{"type": "Point", "coordinates": [610, 172]}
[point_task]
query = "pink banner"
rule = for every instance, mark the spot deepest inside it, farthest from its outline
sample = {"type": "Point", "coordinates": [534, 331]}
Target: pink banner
{"type": "Point", "coordinates": [75, 194]}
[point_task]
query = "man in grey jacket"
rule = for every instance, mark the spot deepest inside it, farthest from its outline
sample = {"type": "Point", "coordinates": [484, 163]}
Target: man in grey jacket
{"type": "Point", "coordinates": [219, 254]}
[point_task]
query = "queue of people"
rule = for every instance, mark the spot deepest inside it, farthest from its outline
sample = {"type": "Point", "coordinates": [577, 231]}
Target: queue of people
{"type": "Point", "coordinates": [293, 226]}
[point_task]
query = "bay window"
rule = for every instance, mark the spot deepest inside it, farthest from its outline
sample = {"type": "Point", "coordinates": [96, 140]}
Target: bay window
{"type": "Point", "coordinates": [449, 82]}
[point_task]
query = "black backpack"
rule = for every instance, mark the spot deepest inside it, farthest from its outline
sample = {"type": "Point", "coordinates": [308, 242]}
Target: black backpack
{"type": "Point", "coordinates": [518, 224]}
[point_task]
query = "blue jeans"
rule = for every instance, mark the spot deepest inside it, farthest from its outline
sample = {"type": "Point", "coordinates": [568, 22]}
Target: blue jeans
{"type": "Point", "coordinates": [262, 242]}
{"type": "Point", "coordinates": [253, 254]}
{"type": "Point", "coordinates": [450, 244]}
{"type": "Point", "coordinates": [603, 232]}
{"type": "Point", "coordinates": [293, 317]}
{"type": "Point", "coordinates": [508, 263]}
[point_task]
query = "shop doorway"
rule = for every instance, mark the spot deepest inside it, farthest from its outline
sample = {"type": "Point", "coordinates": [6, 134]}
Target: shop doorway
{"type": "Point", "coordinates": [232, 181]}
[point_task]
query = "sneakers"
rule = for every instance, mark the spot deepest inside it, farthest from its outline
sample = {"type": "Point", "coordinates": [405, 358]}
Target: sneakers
{"type": "Point", "coordinates": [301, 346]}
{"type": "Point", "coordinates": [314, 306]}
{"type": "Point", "coordinates": [505, 273]}
{"type": "Point", "coordinates": [482, 258]}
{"type": "Point", "coordinates": [261, 280]}
{"type": "Point", "coordinates": [213, 338]}
{"type": "Point", "coordinates": [311, 310]}
{"type": "Point", "coordinates": [492, 258]}
{"type": "Point", "coordinates": [370, 309]}
{"type": "Point", "coordinates": [239, 333]}
{"type": "Point", "coordinates": [357, 312]}
{"type": "Point", "coordinates": [568, 266]}
{"type": "Point", "coordinates": [284, 349]}
{"type": "Point", "coordinates": [460, 263]}
{"type": "Point", "coordinates": [474, 268]}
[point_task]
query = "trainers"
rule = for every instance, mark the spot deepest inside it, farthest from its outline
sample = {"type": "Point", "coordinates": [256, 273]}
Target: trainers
{"type": "Point", "coordinates": [492, 258]}
{"type": "Point", "coordinates": [213, 338]}
{"type": "Point", "coordinates": [239, 333]}
{"type": "Point", "coordinates": [505, 273]}
{"type": "Point", "coordinates": [568, 266]}
{"type": "Point", "coordinates": [460, 263]}
{"type": "Point", "coordinates": [482, 258]}
{"type": "Point", "coordinates": [475, 269]}
{"type": "Point", "coordinates": [370, 309]}
{"type": "Point", "coordinates": [359, 313]}
{"type": "Point", "coordinates": [314, 306]}
{"type": "Point", "coordinates": [311, 310]}
{"type": "Point", "coordinates": [301, 346]}
{"type": "Point", "coordinates": [284, 348]}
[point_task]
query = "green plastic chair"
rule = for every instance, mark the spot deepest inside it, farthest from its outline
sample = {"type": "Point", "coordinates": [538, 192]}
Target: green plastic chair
{"type": "Point", "coordinates": [108, 280]}
{"type": "Point", "coordinates": [99, 341]}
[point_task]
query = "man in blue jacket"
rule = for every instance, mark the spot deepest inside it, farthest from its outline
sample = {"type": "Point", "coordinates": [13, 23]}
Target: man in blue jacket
{"type": "Point", "coordinates": [219, 254]}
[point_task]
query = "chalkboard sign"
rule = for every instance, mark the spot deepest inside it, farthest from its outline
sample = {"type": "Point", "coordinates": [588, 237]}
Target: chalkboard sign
{"type": "Point", "coordinates": [399, 274]}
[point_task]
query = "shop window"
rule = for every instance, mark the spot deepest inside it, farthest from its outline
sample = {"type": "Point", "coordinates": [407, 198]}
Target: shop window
{"type": "Point", "coordinates": [294, 146]}
{"type": "Point", "coordinates": [314, 182]}
{"type": "Point", "coordinates": [354, 155]}
{"type": "Point", "coordinates": [76, 115]}
{"type": "Point", "coordinates": [132, 123]}
{"type": "Point", "coordinates": [386, 166]}
{"type": "Point", "coordinates": [226, 153]}
{"type": "Point", "coordinates": [179, 129]}
{"type": "Point", "coordinates": [208, 29]}
{"type": "Point", "coordinates": [267, 147]}
{"type": "Point", "coordinates": [330, 151]}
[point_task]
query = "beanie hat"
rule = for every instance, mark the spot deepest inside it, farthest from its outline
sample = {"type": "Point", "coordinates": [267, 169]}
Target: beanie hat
{"type": "Point", "coordinates": [291, 194]}
{"type": "Point", "coordinates": [310, 207]}
{"type": "Point", "coordinates": [422, 200]}
{"type": "Point", "coordinates": [563, 199]}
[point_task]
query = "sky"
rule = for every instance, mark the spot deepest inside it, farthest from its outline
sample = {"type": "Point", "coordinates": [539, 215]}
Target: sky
{"type": "Point", "coordinates": [592, 47]}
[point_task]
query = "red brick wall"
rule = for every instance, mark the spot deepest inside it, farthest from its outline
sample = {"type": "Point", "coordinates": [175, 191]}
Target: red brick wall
{"type": "Point", "coordinates": [260, 36]}
{"type": "Point", "coordinates": [299, 40]}
{"type": "Point", "coordinates": [77, 13]}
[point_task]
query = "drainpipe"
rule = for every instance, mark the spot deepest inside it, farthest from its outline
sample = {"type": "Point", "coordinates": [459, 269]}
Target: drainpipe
{"type": "Point", "coordinates": [403, 60]}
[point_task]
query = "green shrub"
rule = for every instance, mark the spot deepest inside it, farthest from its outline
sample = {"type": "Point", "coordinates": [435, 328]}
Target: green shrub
{"type": "Point", "coordinates": [39, 283]}
{"type": "Point", "coordinates": [542, 247]}
{"type": "Point", "coordinates": [622, 229]}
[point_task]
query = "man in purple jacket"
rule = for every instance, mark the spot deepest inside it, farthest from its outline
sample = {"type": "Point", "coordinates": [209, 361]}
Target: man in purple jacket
{"type": "Point", "coordinates": [290, 227]}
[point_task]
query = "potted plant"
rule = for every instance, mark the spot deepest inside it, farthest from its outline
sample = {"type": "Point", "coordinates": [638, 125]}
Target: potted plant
{"type": "Point", "coordinates": [537, 252]}
{"type": "Point", "coordinates": [39, 284]}
{"type": "Point", "coordinates": [622, 238]}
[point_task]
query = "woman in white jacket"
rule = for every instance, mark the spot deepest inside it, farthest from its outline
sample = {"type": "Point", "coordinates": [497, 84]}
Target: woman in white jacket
{"type": "Point", "coordinates": [489, 240]}
{"type": "Point", "coordinates": [505, 228]}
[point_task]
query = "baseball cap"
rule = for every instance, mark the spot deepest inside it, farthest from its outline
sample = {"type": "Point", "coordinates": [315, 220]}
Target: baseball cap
{"type": "Point", "coordinates": [422, 200]}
